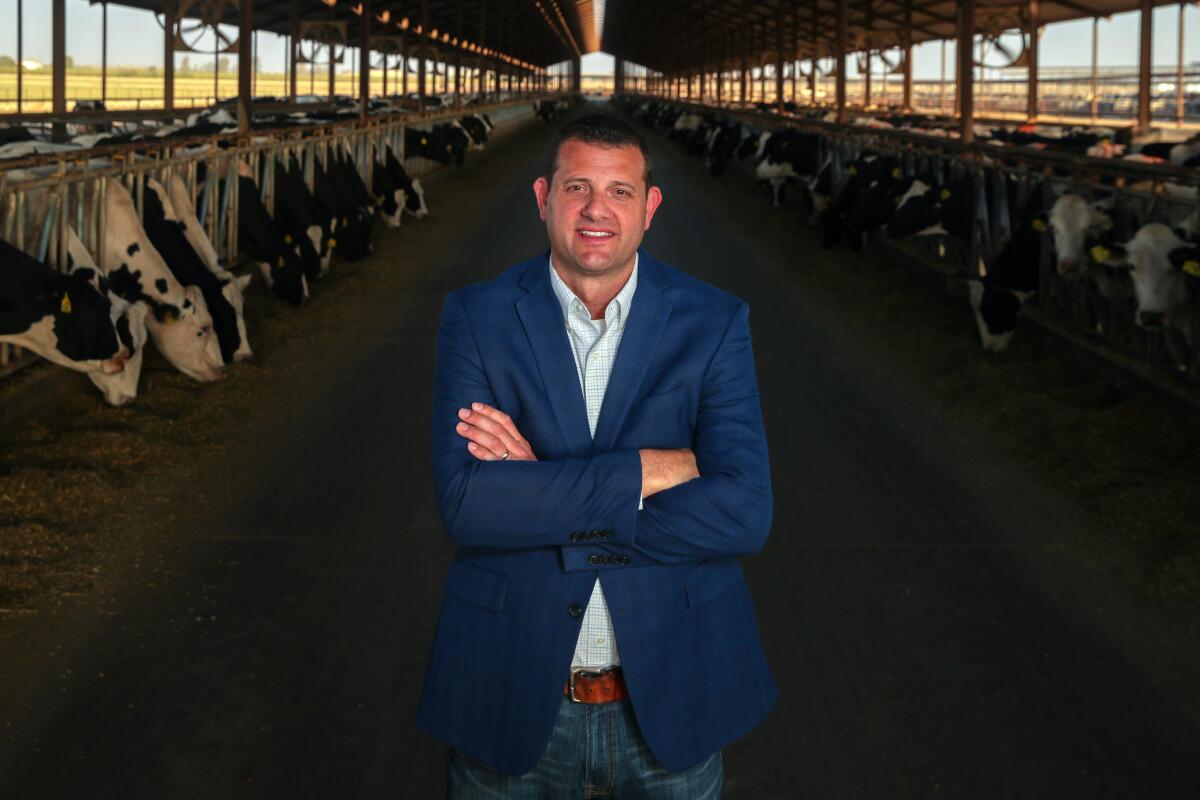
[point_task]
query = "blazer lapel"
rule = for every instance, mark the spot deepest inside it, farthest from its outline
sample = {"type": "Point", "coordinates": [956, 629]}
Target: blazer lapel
{"type": "Point", "coordinates": [644, 327]}
{"type": "Point", "coordinates": [542, 317]}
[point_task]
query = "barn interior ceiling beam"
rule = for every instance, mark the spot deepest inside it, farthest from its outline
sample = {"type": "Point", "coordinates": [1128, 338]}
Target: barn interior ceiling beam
{"type": "Point", "coordinates": [468, 28]}
{"type": "Point", "coordinates": [733, 31]}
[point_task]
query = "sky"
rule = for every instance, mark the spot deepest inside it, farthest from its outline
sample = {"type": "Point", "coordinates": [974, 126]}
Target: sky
{"type": "Point", "coordinates": [135, 39]}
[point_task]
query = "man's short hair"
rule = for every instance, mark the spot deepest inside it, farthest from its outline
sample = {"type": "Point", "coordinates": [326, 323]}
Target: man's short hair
{"type": "Point", "coordinates": [603, 130]}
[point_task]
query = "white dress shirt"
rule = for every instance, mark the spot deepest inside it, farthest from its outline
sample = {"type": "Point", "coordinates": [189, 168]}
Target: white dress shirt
{"type": "Point", "coordinates": [594, 343]}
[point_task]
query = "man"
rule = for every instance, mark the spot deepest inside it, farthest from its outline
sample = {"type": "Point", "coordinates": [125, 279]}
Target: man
{"type": "Point", "coordinates": [600, 462]}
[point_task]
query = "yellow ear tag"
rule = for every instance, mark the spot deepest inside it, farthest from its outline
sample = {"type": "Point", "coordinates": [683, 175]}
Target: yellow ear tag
{"type": "Point", "coordinates": [853, 170]}
{"type": "Point", "coordinates": [896, 172]}
{"type": "Point", "coordinates": [1100, 253]}
{"type": "Point", "coordinates": [281, 261]}
{"type": "Point", "coordinates": [944, 194]}
{"type": "Point", "coordinates": [1192, 267]}
{"type": "Point", "coordinates": [424, 140]}
{"type": "Point", "coordinates": [287, 238]}
{"type": "Point", "coordinates": [65, 305]}
{"type": "Point", "coordinates": [1038, 225]}
{"type": "Point", "coordinates": [332, 243]}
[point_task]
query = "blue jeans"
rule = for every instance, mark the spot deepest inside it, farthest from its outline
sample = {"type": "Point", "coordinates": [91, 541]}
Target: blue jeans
{"type": "Point", "coordinates": [595, 751]}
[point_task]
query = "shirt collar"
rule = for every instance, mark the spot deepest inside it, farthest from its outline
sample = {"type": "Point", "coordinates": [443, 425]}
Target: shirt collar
{"type": "Point", "coordinates": [620, 304]}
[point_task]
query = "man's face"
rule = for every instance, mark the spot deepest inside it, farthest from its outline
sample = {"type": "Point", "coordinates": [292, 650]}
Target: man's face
{"type": "Point", "coordinates": [596, 207]}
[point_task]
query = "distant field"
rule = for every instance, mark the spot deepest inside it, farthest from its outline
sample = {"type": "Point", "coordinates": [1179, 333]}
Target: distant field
{"type": "Point", "coordinates": [146, 90]}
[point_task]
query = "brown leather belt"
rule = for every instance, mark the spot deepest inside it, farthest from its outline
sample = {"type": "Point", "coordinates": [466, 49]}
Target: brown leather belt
{"type": "Point", "coordinates": [596, 687]}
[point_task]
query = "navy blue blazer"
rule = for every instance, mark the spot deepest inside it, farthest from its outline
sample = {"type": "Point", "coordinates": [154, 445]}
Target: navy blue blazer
{"type": "Point", "coordinates": [681, 611]}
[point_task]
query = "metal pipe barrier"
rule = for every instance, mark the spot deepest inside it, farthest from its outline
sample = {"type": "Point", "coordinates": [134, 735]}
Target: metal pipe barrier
{"type": "Point", "coordinates": [1101, 306]}
{"type": "Point", "coordinates": [42, 196]}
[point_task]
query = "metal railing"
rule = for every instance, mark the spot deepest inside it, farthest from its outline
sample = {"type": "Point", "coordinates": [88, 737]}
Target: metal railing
{"type": "Point", "coordinates": [42, 196]}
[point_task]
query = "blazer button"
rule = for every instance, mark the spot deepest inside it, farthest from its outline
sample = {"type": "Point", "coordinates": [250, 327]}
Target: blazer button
{"type": "Point", "coordinates": [575, 610]}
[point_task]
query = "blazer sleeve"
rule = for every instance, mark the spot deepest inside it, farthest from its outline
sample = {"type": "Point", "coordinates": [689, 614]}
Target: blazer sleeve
{"type": "Point", "coordinates": [517, 504]}
{"type": "Point", "coordinates": [727, 510]}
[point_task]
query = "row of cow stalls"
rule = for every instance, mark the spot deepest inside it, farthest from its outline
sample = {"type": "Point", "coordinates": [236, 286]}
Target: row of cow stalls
{"type": "Point", "coordinates": [1105, 248]}
{"type": "Point", "coordinates": [105, 249]}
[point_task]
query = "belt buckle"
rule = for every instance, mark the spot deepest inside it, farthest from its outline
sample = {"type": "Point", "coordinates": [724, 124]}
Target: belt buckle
{"type": "Point", "coordinates": [576, 673]}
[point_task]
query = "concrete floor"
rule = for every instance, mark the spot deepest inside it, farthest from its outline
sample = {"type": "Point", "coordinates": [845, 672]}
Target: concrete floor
{"type": "Point", "coordinates": [928, 638]}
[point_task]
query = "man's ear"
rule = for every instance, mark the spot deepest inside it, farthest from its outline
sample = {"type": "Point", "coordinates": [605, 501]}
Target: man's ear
{"type": "Point", "coordinates": [654, 199]}
{"type": "Point", "coordinates": [541, 191]}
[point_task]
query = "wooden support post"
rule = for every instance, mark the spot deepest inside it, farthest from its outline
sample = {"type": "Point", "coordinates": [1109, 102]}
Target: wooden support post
{"type": "Point", "coordinates": [1031, 91]}
{"type": "Point", "coordinates": [104, 54]}
{"type": "Point", "coordinates": [245, 66]}
{"type": "Point", "coordinates": [840, 48]}
{"type": "Point", "coordinates": [294, 49]}
{"type": "Point", "coordinates": [20, 54]}
{"type": "Point", "coordinates": [364, 61]}
{"type": "Point", "coordinates": [1145, 65]}
{"type": "Point", "coordinates": [908, 48]}
{"type": "Point", "coordinates": [742, 70]}
{"type": "Point", "coordinates": [58, 42]}
{"type": "Point", "coordinates": [1179, 76]}
{"type": "Point", "coordinates": [966, 70]}
{"type": "Point", "coordinates": [779, 56]}
{"type": "Point", "coordinates": [332, 73]}
{"type": "Point", "coordinates": [458, 34]}
{"type": "Point", "coordinates": [403, 65]}
{"type": "Point", "coordinates": [867, 78]}
{"type": "Point", "coordinates": [421, 53]}
{"type": "Point", "coordinates": [169, 21]}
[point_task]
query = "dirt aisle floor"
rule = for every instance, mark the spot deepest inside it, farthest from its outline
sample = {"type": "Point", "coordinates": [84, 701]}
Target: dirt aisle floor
{"type": "Point", "coordinates": [230, 590]}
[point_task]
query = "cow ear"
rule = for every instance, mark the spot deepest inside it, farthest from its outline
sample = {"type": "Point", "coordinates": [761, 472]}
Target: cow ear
{"type": "Point", "coordinates": [1110, 254]}
{"type": "Point", "coordinates": [1186, 259]}
{"type": "Point", "coordinates": [1040, 223]}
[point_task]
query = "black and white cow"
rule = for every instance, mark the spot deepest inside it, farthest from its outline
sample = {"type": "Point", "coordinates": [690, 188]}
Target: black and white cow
{"type": "Point", "coordinates": [925, 209]}
{"type": "Point", "coordinates": [1077, 226]}
{"type": "Point", "coordinates": [1162, 267]}
{"type": "Point", "coordinates": [179, 321]}
{"type": "Point", "coordinates": [263, 241]}
{"type": "Point", "coordinates": [335, 186]}
{"type": "Point", "coordinates": [118, 388]}
{"type": "Point", "coordinates": [308, 225]}
{"type": "Point", "coordinates": [477, 128]}
{"type": "Point", "coordinates": [68, 319]}
{"type": "Point", "coordinates": [1010, 279]}
{"type": "Point", "coordinates": [168, 233]}
{"type": "Point", "coordinates": [414, 193]}
{"type": "Point", "coordinates": [787, 156]}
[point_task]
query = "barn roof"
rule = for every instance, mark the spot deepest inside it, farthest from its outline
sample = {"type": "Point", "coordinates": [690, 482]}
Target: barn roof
{"type": "Point", "coordinates": [687, 35]}
{"type": "Point", "coordinates": [535, 32]}
{"type": "Point", "coordinates": [666, 35]}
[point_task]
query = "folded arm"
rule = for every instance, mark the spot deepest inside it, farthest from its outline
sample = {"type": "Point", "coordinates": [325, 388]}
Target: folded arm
{"type": "Point", "coordinates": [509, 503]}
{"type": "Point", "coordinates": [728, 509]}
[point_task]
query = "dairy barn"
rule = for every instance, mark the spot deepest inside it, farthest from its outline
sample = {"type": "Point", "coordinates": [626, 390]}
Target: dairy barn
{"type": "Point", "coordinates": [915, 331]}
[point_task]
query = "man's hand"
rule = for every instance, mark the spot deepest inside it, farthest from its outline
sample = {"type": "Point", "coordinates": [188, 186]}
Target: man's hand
{"type": "Point", "coordinates": [490, 433]}
{"type": "Point", "coordinates": [664, 469]}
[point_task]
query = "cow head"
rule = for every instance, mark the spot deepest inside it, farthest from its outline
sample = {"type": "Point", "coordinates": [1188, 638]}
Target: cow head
{"type": "Point", "coordinates": [121, 388]}
{"type": "Point", "coordinates": [233, 290]}
{"type": "Point", "coordinates": [185, 336]}
{"type": "Point", "coordinates": [414, 202]}
{"type": "Point", "coordinates": [1074, 224]}
{"type": "Point", "coordinates": [1158, 262]}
